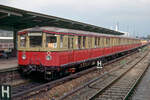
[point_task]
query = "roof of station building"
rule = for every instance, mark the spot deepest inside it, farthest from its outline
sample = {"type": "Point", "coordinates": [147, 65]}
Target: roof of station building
{"type": "Point", "coordinates": [18, 19]}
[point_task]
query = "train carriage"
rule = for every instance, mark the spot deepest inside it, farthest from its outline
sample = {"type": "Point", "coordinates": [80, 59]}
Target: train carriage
{"type": "Point", "coordinates": [54, 51]}
{"type": "Point", "coordinates": [6, 46]}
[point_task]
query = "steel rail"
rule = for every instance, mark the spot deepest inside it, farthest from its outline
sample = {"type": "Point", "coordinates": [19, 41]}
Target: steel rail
{"type": "Point", "coordinates": [103, 89]}
{"type": "Point", "coordinates": [136, 83]}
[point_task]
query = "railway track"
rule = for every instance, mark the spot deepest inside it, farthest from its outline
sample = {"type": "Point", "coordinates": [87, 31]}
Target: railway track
{"type": "Point", "coordinates": [23, 87]}
{"type": "Point", "coordinates": [12, 77]}
{"type": "Point", "coordinates": [9, 72]}
{"type": "Point", "coordinates": [123, 85]}
{"type": "Point", "coordinates": [31, 89]}
{"type": "Point", "coordinates": [114, 85]}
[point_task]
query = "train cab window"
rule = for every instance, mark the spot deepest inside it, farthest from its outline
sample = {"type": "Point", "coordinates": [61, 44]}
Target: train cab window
{"type": "Point", "coordinates": [51, 41]}
{"type": "Point", "coordinates": [35, 39]}
{"type": "Point", "coordinates": [79, 42]}
{"type": "Point", "coordinates": [84, 40]}
{"type": "Point", "coordinates": [23, 41]}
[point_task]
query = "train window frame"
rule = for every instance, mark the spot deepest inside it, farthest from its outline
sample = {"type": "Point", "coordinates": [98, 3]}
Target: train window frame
{"type": "Point", "coordinates": [111, 42]}
{"type": "Point", "coordinates": [99, 41]}
{"type": "Point", "coordinates": [107, 41]}
{"type": "Point", "coordinates": [118, 41]}
{"type": "Point", "coordinates": [84, 42]}
{"type": "Point", "coordinates": [79, 42]}
{"type": "Point", "coordinates": [35, 34]}
{"type": "Point", "coordinates": [70, 42]}
{"type": "Point", "coordinates": [95, 44]}
{"type": "Point", "coordinates": [25, 42]}
{"type": "Point", "coordinates": [89, 42]}
{"type": "Point", "coordinates": [52, 44]}
{"type": "Point", "coordinates": [61, 41]}
{"type": "Point", "coordinates": [102, 44]}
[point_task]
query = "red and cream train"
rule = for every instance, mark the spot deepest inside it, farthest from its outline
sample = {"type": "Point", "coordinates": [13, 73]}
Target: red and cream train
{"type": "Point", "coordinates": [55, 51]}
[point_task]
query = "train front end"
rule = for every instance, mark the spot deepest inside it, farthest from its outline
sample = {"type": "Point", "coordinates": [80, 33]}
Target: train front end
{"type": "Point", "coordinates": [36, 52]}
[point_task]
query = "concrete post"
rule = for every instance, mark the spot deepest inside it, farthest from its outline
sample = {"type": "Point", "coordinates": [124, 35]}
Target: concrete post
{"type": "Point", "coordinates": [15, 42]}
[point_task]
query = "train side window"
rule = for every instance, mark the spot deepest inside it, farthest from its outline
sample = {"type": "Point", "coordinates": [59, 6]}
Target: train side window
{"type": "Point", "coordinates": [1, 45]}
{"type": "Point", "coordinates": [123, 42]}
{"type": "Point", "coordinates": [99, 41]}
{"type": "Point", "coordinates": [115, 41]}
{"type": "Point", "coordinates": [107, 42]}
{"type": "Point", "coordinates": [95, 42]}
{"type": "Point", "coordinates": [111, 42]}
{"type": "Point", "coordinates": [84, 41]}
{"type": "Point", "coordinates": [129, 41]}
{"type": "Point", "coordinates": [70, 41]}
{"type": "Point", "coordinates": [22, 40]}
{"type": "Point", "coordinates": [119, 42]}
{"type": "Point", "coordinates": [51, 41]}
{"type": "Point", "coordinates": [102, 42]}
{"type": "Point", "coordinates": [89, 42]}
{"type": "Point", "coordinates": [79, 42]}
{"type": "Point", "coordinates": [61, 41]}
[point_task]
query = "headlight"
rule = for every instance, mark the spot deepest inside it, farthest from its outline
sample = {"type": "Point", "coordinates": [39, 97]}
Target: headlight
{"type": "Point", "coordinates": [23, 56]}
{"type": "Point", "coordinates": [48, 57]}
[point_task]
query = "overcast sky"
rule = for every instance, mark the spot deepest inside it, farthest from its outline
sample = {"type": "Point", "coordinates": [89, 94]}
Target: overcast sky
{"type": "Point", "coordinates": [132, 15]}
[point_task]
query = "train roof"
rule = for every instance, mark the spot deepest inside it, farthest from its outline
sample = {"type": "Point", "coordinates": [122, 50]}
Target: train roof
{"type": "Point", "coordinates": [68, 31]}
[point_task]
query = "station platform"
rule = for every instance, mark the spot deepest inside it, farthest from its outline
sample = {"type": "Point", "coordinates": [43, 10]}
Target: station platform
{"type": "Point", "coordinates": [8, 64]}
{"type": "Point", "coordinates": [142, 91]}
